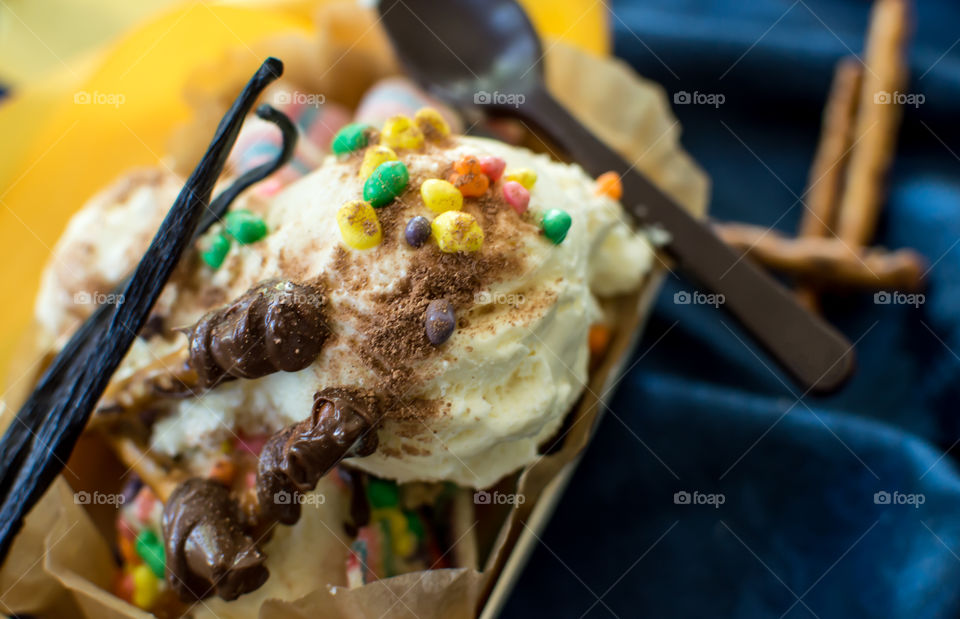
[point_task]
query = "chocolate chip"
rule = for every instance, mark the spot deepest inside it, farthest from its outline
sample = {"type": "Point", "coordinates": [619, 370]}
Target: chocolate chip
{"type": "Point", "coordinates": [417, 231]}
{"type": "Point", "coordinates": [440, 321]}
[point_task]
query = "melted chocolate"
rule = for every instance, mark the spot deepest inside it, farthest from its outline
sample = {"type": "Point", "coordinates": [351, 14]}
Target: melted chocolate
{"type": "Point", "coordinates": [206, 547]}
{"type": "Point", "coordinates": [342, 424]}
{"type": "Point", "coordinates": [274, 326]}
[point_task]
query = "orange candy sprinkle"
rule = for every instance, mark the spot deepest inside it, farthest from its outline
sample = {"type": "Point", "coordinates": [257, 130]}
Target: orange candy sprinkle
{"type": "Point", "coordinates": [469, 178]}
{"type": "Point", "coordinates": [128, 550]}
{"type": "Point", "coordinates": [599, 339]}
{"type": "Point", "coordinates": [608, 184]}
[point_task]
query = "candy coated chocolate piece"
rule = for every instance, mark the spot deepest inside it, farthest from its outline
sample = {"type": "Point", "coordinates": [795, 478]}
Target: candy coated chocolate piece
{"type": "Point", "coordinates": [359, 226]}
{"type": "Point", "coordinates": [417, 231]}
{"type": "Point", "coordinates": [469, 178]}
{"type": "Point", "coordinates": [493, 167]}
{"type": "Point", "coordinates": [387, 181]}
{"type": "Point", "coordinates": [244, 226]}
{"type": "Point", "coordinates": [457, 231]}
{"type": "Point", "coordinates": [440, 321]}
{"type": "Point", "coordinates": [555, 224]}
{"type": "Point", "coordinates": [216, 251]}
{"type": "Point", "coordinates": [401, 132]}
{"type": "Point", "coordinates": [516, 196]}
{"type": "Point", "coordinates": [350, 138]}
{"type": "Point", "coordinates": [373, 157]}
{"type": "Point", "coordinates": [146, 587]}
{"type": "Point", "coordinates": [524, 176]}
{"type": "Point", "coordinates": [150, 549]}
{"type": "Point", "coordinates": [440, 196]}
{"type": "Point", "coordinates": [431, 123]}
{"type": "Point", "coordinates": [609, 184]}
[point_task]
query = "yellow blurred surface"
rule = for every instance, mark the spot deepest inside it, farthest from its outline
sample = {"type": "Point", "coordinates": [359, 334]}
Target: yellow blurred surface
{"type": "Point", "coordinates": [130, 58]}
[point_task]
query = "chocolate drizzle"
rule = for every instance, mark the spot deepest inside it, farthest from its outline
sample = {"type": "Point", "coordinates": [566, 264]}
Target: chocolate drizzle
{"type": "Point", "coordinates": [341, 424]}
{"type": "Point", "coordinates": [275, 326]}
{"type": "Point", "coordinates": [206, 547]}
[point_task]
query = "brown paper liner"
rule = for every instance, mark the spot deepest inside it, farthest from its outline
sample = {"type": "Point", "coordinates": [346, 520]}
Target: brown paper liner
{"type": "Point", "coordinates": [61, 564]}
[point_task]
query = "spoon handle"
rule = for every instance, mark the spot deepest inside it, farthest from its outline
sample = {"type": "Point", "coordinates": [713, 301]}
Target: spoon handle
{"type": "Point", "coordinates": [812, 351]}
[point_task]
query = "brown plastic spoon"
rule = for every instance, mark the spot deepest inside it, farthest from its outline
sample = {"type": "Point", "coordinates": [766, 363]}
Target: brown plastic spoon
{"type": "Point", "coordinates": [484, 54]}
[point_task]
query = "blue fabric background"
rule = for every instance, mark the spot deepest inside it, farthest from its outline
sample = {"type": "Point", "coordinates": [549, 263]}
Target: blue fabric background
{"type": "Point", "coordinates": [799, 534]}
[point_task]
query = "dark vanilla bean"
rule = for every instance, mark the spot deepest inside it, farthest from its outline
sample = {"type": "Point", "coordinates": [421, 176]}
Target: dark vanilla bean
{"type": "Point", "coordinates": [39, 441]}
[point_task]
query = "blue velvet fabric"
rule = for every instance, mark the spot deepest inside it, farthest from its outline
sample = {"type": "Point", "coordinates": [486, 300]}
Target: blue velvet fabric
{"type": "Point", "coordinates": [800, 532]}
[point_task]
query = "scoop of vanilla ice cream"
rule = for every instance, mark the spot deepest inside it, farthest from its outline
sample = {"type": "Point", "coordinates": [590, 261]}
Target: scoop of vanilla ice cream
{"type": "Point", "coordinates": [102, 243]}
{"type": "Point", "coordinates": [484, 402]}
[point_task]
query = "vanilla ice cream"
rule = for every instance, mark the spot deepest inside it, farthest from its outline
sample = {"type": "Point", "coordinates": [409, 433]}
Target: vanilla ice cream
{"type": "Point", "coordinates": [471, 412]}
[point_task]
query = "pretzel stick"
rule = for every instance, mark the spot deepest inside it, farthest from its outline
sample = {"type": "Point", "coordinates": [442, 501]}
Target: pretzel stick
{"type": "Point", "coordinates": [830, 160]}
{"type": "Point", "coordinates": [162, 477]}
{"type": "Point", "coordinates": [168, 375]}
{"type": "Point", "coordinates": [827, 261]}
{"type": "Point", "coordinates": [877, 122]}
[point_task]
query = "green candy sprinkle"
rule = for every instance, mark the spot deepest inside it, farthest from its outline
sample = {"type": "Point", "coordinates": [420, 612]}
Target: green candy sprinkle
{"type": "Point", "coordinates": [151, 551]}
{"type": "Point", "coordinates": [245, 227]}
{"type": "Point", "coordinates": [382, 493]}
{"type": "Point", "coordinates": [555, 224]}
{"type": "Point", "coordinates": [350, 138]}
{"type": "Point", "coordinates": [415, 524]}
{"type": "Point", "coordinates": [388, 181]}
{"type": "Point", "coordinates": [216, 253]}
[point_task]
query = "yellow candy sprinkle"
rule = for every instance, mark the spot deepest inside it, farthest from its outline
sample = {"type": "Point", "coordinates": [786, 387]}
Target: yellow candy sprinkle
{"type": "Point", "coordinates": [524, 176]}
{"type": "Point", "coordinates": [404, 544]}
{"type": "Point", "coordinates": [431, 123]}
{"type": "Point", "coordinates": [373, 157]}
{"type": "Point", "coordinates": [400, 132]}
{"type": "Point", "coordinates": [146, 587]}
{"type": "Point", "coordinates": [441, 196]}
{"type": "Point", "coordinates": [359, 225]}
{"type": "Point", "coordinates": [457, 231]}
{"type": "Point", "coordinates": [396, 521]}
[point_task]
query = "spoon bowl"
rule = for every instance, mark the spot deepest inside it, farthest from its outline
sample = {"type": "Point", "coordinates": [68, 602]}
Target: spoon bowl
{"type": "Point", "coordinates": [502, 58]}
